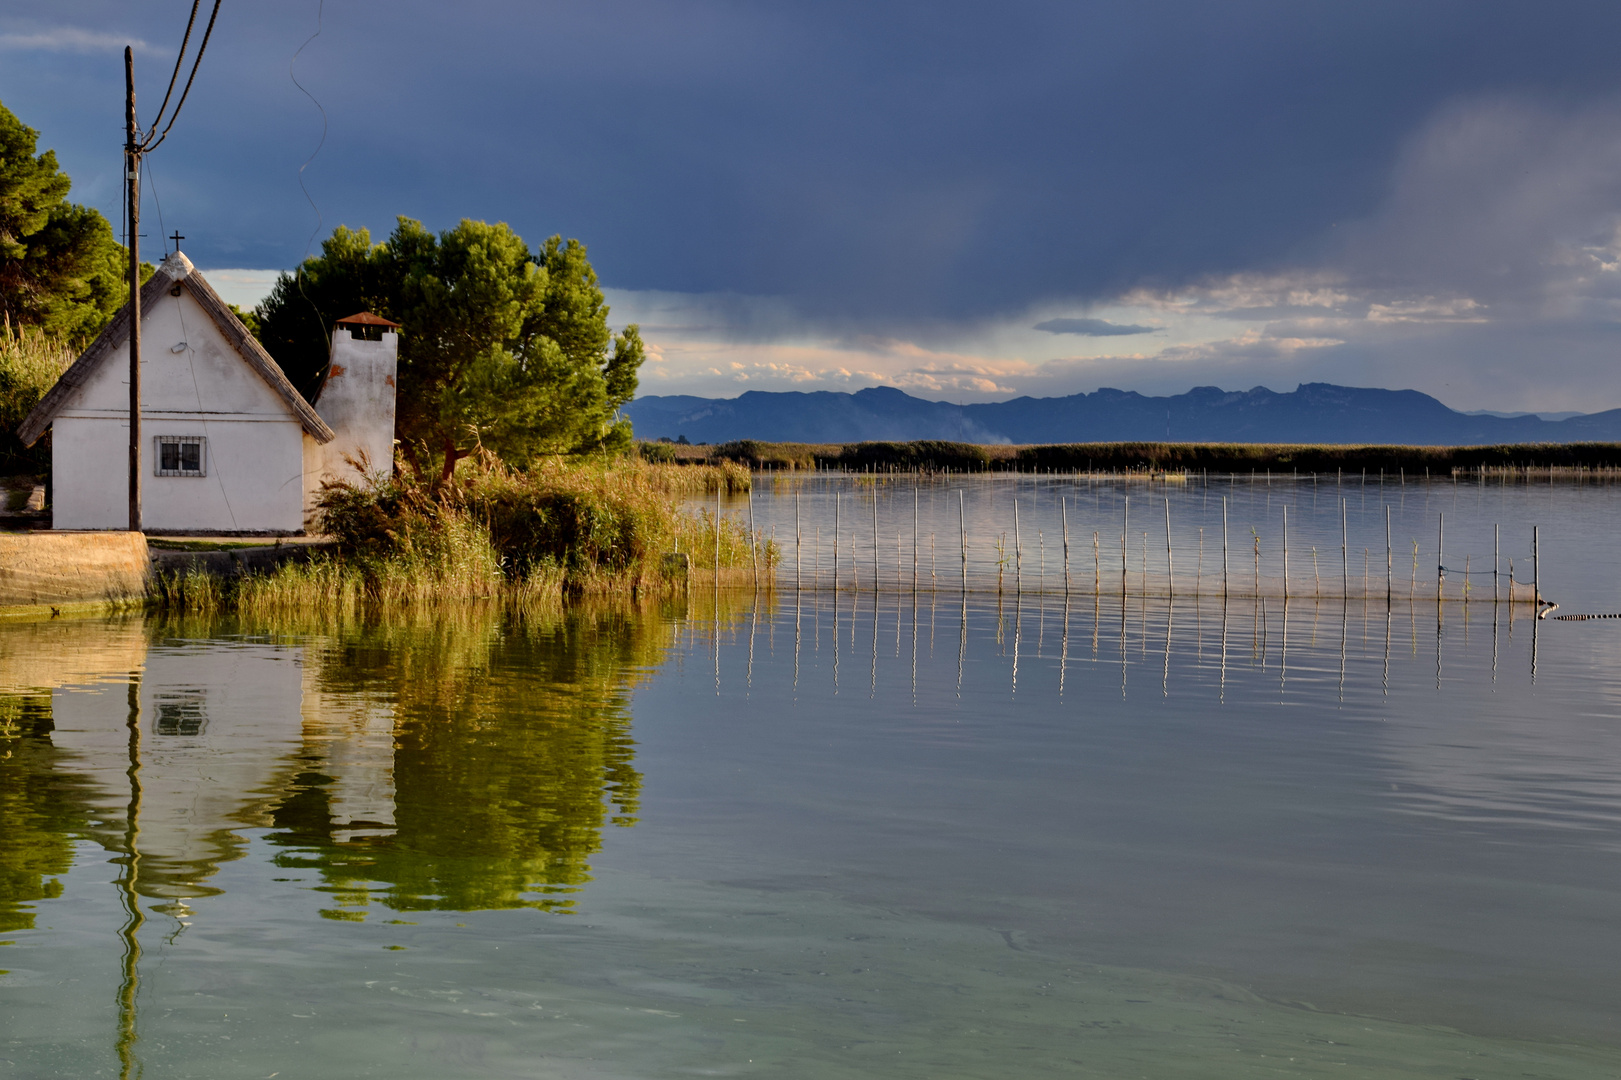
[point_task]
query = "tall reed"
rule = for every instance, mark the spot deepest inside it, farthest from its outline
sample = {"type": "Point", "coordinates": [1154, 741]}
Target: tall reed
{"type": "Point", "coordinates": [560, 528]}
{"type": "Point", "coordinates": [30, 364]}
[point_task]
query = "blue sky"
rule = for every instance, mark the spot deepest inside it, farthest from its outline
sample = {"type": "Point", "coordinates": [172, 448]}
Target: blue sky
{"type": "Point", "coordinates": [969, 201]}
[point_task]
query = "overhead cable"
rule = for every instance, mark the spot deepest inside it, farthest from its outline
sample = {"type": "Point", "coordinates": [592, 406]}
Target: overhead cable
{"type": "Point", "coordinates": [180, 57]}
{"type": "Point", "coordinates": [202, 47]}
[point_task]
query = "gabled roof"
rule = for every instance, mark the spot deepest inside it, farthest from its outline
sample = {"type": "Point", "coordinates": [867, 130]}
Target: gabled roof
{"type": "Point", "coordinates": [366, 318]}
{"type": "Point", "coordinates": [175, 269]}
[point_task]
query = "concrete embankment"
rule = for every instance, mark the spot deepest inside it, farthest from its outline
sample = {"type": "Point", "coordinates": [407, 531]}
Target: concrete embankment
{"type": "Point", "coordinates": [45, 571]}
{"type": "Point", "coordinates": [232, 560]}
{"type": "Point", "coordinates": [40, 570]}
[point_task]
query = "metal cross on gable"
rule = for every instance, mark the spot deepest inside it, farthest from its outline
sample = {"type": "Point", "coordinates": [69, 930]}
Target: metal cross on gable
{"type": "Point", "coordinates": [176, 237]}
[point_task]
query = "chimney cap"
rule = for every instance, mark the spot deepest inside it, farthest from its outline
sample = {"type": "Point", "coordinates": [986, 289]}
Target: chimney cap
{"type": "Point", "coordinates": [366, 318]}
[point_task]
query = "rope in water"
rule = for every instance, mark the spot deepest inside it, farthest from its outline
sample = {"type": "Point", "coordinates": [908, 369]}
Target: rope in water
{"type": "Point", "coordinates": [1483, 573]}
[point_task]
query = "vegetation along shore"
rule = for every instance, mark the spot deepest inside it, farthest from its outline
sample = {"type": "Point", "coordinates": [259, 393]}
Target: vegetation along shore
{"type": "Point", "coordinates": [1567, 459]}
{"type": "Point", "coordinates": [558, 529]}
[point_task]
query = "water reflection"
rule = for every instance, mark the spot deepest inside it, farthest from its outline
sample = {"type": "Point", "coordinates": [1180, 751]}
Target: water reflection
{"type": "Point", "coordinates": [1277, 816]}
{"type": "Point", "coordinates": [430, 777]}
{"type": "Point", "coordinates": [473, 762]}
{"type": "Point", "coordinates": [456, 763]}
{"type": "Point", "coordinates": [41, 808]}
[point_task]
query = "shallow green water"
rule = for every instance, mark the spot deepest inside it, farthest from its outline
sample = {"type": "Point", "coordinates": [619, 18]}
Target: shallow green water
{"type": "Point", "coordinates": [810, 838]}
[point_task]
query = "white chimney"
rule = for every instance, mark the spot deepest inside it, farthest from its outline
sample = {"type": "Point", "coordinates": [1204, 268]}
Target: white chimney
{"type": "Point", "coordinates": [357, 400]}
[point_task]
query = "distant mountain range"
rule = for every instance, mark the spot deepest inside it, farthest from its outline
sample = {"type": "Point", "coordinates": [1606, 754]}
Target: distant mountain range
{"type": "Point", "coordinates": [1312, 413]}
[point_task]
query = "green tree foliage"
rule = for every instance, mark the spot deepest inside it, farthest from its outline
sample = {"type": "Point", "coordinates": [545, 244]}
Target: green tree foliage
{"type": "Point", "coordinates": [503, 348]}
{"type": "Point", "coordinates": [350, 275]}
{"type": "Point", "coordinates": [60, 268]}
{"type": "Point", "coordinates": [250, 319]}
{"type": "Point", "coordinates": [30, 364]}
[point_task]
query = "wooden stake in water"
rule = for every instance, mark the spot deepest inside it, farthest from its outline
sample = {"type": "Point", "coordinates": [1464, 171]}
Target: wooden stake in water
{"type": "Point", "coordinates": [717, 535]}
{"type": "Point", "coordinates": [914, 539]}
{"type": "Point", "coordinates": [1536, 564]}
{"type": "Point", "coordinates": [875, 542]}
{"type": "Point", "coordinates": [1170, 573]}
{"type": "Point", "coordinates": [1125, 541]}
{"type": "Point", "coordinates": [1497, 558]}
{"type": "Point", "coordinates": [1286, 552]}
{"type": "Point", "coordinates": [1018, 551]}
{"type": "Point", "coordinates": [798, 543]}
{"type": "Point", "coordinates": [835, 540]}
{"type": "Point", "coordinates": [754, 548]}
{"type": "Point", "coordinates": [1440, 557]}
{"type": "Point", "coordinates": [962, 526]}
{"type": "Point", "coordinates": [1063, 515]}
{"type": "Point", "coordinates": [1390, 559]}
{"type": "Point", "coordinates": [1345, 551]}
{"type": "Point", "coordinates": [1224, 546]}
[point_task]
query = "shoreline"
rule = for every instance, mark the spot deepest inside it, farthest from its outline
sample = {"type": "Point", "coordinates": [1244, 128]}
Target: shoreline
{"type": "Point", "coordinates": [1565, 460]}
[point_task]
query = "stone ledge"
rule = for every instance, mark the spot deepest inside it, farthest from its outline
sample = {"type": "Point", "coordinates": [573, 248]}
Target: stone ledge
{"type": "Point", "coordinates": [55, 568]}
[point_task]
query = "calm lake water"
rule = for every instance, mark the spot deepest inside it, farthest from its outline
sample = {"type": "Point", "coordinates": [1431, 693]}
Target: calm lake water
{"type": "Point", "coordinates": [841, 833]}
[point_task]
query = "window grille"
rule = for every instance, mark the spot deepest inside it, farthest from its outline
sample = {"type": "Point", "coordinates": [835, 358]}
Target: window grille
{"type": "Point", "coordinates": [182, 455]}
{"type": "Point", "coordinates": [180, 714]}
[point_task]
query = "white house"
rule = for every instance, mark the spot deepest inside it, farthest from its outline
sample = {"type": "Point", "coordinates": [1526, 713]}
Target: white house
{"type": "Point", "coordinates": [230, 446]}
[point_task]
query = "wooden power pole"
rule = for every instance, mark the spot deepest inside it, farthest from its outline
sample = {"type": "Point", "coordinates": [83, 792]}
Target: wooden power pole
{"type": "Point", "coordinates": [132, 177]}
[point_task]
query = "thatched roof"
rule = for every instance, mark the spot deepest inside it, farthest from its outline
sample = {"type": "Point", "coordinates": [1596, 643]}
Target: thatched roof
{"type": "Point", "coordinates": [175, 269]}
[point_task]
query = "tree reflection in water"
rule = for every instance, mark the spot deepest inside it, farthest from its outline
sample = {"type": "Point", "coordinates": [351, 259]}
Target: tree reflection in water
{"type": "Point", "coordinates": [41, 809]}
{"type": "Point", "coordinates": [455, 760]}
{"type": "Point", "coordinates": [510, 740]}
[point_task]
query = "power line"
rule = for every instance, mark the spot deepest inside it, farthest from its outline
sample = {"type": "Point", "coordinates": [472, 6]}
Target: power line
{"type": "Point", "coordinates": [320, 219]}
{"type": "Point", "coordinates": [151, 182]}
{"type": "Point", "coordinates": [202, 47]}
{"type": "Point", "coordinates": [320, 14]}
{"type": "Point", "coordinates": [179, 57]}
{"type": "Point", "coordinates": [136, 147]}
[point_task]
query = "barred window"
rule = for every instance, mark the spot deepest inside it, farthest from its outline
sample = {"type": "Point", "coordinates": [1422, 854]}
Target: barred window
{"type": "Point", "coordinates": [182, 455]}
{"type": "Point", "coordinates": [180, 714]}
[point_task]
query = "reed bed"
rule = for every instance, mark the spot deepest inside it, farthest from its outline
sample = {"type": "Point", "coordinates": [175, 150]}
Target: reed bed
{"type": "Point", "coordinates": [1393, 460]}
{"type": "Point", "coordinates": [727, 477]}
{"type": "Point", "coordinates": [516, 538]}
{"type": "Point", "coordinates": [1522, 460]}
{"type": "Point", "coordinates": [30, 364]}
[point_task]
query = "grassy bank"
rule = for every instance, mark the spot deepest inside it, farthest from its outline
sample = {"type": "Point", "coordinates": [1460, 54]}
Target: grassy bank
{"type": "Point", "coordinates": [562, 528]}
{"type": "Point", "coordinates": [936, 456]}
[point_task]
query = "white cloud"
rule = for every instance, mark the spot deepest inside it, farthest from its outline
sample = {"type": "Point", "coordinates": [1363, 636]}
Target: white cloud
{"type": "Point", "coordinates": [70, 39]}
{"type": "Point", "coordinates": [244, 288]}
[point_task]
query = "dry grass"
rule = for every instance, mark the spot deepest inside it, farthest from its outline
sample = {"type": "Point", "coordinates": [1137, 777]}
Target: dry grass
{"type": "Point", "coordinates": [519, 539]}
{"type": "Point", "coordinates": [728, 477]}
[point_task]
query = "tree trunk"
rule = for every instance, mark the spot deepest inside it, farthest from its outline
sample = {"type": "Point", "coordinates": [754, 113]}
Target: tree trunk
{"type": "Point", "coordinates": [452, 455]}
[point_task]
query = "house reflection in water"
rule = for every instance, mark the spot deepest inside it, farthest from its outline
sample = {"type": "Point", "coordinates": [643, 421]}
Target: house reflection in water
{"type": "Point", "coordinates": [455, 763]}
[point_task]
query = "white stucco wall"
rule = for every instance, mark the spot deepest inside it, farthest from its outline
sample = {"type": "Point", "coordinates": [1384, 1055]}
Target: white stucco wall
{"type": "Point", "coordinates": [358, 404]}
{"type": "Point", "coordinates": [255, 471]}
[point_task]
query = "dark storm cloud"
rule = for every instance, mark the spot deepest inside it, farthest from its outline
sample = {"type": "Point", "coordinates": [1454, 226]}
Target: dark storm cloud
{"type": "Point", "coordinates": [1092, 327]}
{"type": "Point", "coordinates": [890, 165]}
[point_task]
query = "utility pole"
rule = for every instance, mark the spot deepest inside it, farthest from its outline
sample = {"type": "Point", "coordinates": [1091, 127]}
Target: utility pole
{"type": "Point", "coordinates": [132, 178]}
